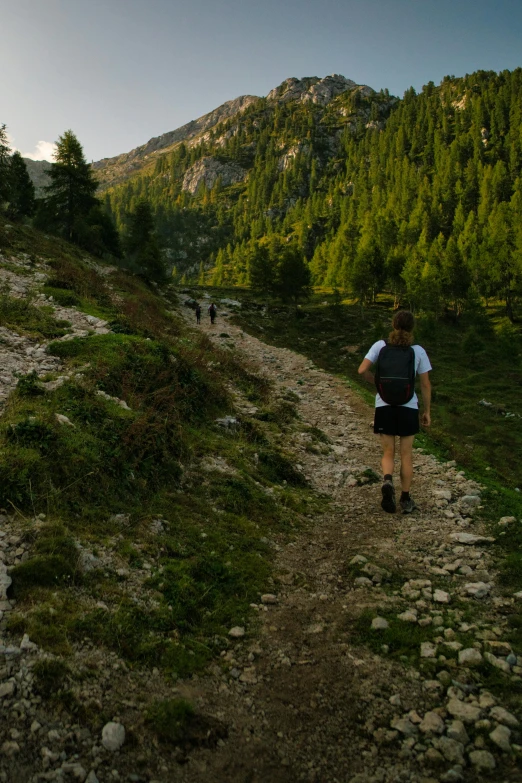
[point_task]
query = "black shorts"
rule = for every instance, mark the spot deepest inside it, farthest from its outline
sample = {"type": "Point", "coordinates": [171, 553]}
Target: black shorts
{"type": "Point", "coordinates": [396, 420]}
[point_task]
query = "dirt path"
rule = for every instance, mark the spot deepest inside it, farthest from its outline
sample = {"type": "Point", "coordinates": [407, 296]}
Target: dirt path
{"type": "Point", "coordinates": [303, 698]}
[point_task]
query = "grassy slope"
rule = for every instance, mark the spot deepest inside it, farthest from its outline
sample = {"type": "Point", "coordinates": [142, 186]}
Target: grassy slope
{"type": "Point", "coordinates": [178, 548]}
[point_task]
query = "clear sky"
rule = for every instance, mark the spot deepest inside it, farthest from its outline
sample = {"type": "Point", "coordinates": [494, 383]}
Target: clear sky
{"type": "Point", "coordinates": [118, 72]}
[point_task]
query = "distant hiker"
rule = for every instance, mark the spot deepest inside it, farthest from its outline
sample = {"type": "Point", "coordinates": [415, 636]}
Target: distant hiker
{"type": "Point", "coordinates": [396, 404]}
{"type": "Point", "coordinates": [197, 310]}
{"type": "Point", "coordinates": [212, 310]}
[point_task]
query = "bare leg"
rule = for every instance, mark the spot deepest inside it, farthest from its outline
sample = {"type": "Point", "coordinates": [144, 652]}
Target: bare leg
{"type": "Point", "coordinates": [406, 447]}
{"type": "Point", "coordinates": [388, 454]}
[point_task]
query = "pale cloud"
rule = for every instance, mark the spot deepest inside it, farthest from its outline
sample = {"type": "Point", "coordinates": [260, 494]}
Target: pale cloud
{"type": "Point", "coordinates": [44, 150]}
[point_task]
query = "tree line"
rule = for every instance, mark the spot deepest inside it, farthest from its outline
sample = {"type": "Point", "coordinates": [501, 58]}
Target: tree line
{"type": "Point", "coordinates": [420, 197]}
{"type": "Point", "coordinates": [70, 209]}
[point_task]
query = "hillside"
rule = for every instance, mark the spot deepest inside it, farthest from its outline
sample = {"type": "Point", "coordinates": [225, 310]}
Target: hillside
{"type": "Point", "coordinates": [418, 197]}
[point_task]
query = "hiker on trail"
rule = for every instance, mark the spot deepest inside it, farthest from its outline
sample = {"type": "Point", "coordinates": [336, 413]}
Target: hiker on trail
{"type": "Point", "coordinates": [397, 362]}
{"type": "Point", "coordinates": [197, 310]}
{"type": "Point", "coordinates": [212, 310]}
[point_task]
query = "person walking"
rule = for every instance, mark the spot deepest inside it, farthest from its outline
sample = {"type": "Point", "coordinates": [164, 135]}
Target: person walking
{"type": "Point", "coordinates": [402, 419]}
{"type": "Point", "coordinates": [212, 310]}
{"type": "Point", "coordinates": [197, 310]}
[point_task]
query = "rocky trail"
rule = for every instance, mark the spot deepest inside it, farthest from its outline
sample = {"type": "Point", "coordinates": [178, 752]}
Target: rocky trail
{"type": "Point", "coordinates": [302, 699]}
{"type": "Point", "coordinates": [309, 689]}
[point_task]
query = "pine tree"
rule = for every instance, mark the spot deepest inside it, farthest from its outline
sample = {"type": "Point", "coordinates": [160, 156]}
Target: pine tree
{"type": "Point", "coordinates": [4, 167]}
{"type": "Point", "coordinates": [142, 249]}
{"type": "Point", "coordinates": [70, 196]}
{"type": "Point", "coordinates": [21, 198]}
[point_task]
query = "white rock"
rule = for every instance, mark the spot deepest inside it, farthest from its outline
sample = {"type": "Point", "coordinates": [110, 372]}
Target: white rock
{"type": "Point", "coordinates": [452, 750]}
{"type": "Point", "coordinates": [269, 598]}
{"type": "Point", "coordinates": [501, 736]}
{"type": "Point", "coordinates": [113, 736]}
{"type": "Point", "coordinates": [91, 777]}
{"type": "Point", "coordinates": [470, 657]}
{"type": "Point", "coordinates": [358, 560]}
{"type": "Point", "coordinates": [503, 716]}
{"type": "Point", "coordinates": [470, 500]}
{"type": "Point", "coordinates": [379, 624]}
{"type": "Point", "coordinates": [428, 650]}
{"type": "Point", "coordinates": [432, 723]}
{"type": "Point", "coordinates": [457, 731]}
{"type": "Point", "coordinates": [463, 711]}
{"type": "Point", "coordinates": [408, 616]}
{"type": "Point", "coordinates": [470, 540]}
{"type": "Point", "coordinates": [236, 632]}
{"type": "Point", "coordinates": [482, 759]}
{"type": "Point", "coordinates": [441, 597]}
{"type": "Point", "coordinates": [443, 494]}
{"type": "Point", "coordinates": [504, 521]}
{"type": "Point", "coordinates": [518, 596]}
{"type": "Point", "coordinates": [498, 663]}
{"type": "Point", "coordinates": [27, 645]}
{"type": "Point", "coordinates": [487, 700]}
{"type": "Point", "coordinates": [477, 589]}
{"type": "Point", "coordinates": [7, 689]}
{"type": "Point", "coordinates": [404, 726]}
{"type": "Point", "coordinates": [363, 581]}
{"type": "Point", "coordinates": [61, 419]}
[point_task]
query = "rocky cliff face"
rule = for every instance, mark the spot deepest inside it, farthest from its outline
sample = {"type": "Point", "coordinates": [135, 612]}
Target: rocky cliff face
{"type": "Point", "coordinates": [113, 170]}
{"type": "Point", "coordinates": [208, 171]}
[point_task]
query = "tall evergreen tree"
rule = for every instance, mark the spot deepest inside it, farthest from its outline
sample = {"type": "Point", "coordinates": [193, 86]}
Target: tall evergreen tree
{"type": "Point", "coordinates": [4, 167]}
{"type": "Point", "coordinates": [70, 196]}
{"type": "Point", "coordinates": [21, 197]}
{"type": "Point", "coordinates": [142, 249]}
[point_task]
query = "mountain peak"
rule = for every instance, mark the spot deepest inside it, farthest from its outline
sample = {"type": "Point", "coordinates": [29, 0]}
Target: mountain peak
{"type": "Point", "coordinates": [312, 89]}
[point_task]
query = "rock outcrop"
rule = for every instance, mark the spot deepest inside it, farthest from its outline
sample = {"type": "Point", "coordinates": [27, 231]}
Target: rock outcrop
{"type": "Point", "coordinates": [208, 171]}
{"type": "Point", "coordinates": [314, 90]}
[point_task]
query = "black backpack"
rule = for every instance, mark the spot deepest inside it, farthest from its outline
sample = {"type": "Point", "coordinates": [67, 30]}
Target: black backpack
{"type": "Point", "coordinates": [395, 373]}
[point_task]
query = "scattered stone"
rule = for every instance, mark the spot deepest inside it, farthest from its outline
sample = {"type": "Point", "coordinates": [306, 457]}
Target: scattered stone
{"type": "Point", "coordinates": [358, 560]}
{"type": "Point", "coordinates": [379, 624]}
{"type": "Point", "coordinates": [441, 597]}
{"type": "Point", "coordinates": [431, 724]}
{"type": "Point", "coordinates": [470, 540]}
{"type": "Point", "coordinates": [487, 700]}
{"type": "Point", "coordinates": [470, 657]}
{"type": "Point", "coordinates": [113, 736]}
{"type": "Point", "coordinates": [268, 598]}
{"type": "Point", "coordinates": [405, 727]}
{"type": "Point", "coordinates": [409, 616]}
{"type": "Point", "coordinates": [428, 650]}
{"type": "Point", "coordinates": [504, 521]}
{"type": "Point", "coordinates": [236, 632]}
{"type": "Point", "coordinates": [503, 716]}
{"type": "Point", "coordinates": [457, 731]}
{"type": "Point", "coordinates": [477, 589]}
{"type": "Point", "coordinates": [503, 649]}
{"type": "Point", "coordinates": [498, 663]}
{"type": "Point", "coordinates": [363, 581]}
{"type": "Point", "coordinates": [463, 711]}
{"type": "Point", "coordinates": [470, 500]}
{"type": "Point", "coordinates": [482, 759]}
{"type": "Point", "coordinates": [61, 419]}
{"type": "Point", "coordinates": [7, 689]}
{"type": "Point", "coordinates": [452, 750]}
{"type": "Point", "coordinates": [501, 736]}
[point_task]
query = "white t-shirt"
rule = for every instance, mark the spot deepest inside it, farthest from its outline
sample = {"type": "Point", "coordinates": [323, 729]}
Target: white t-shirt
{"type": "Point", "coordinates": [422, 364]}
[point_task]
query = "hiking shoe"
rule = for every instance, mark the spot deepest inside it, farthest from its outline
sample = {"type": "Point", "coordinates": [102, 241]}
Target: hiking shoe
{"type": "Point", "coordinates": [388, 497]}
{"type": "Point", "coordinates": [408, 506]}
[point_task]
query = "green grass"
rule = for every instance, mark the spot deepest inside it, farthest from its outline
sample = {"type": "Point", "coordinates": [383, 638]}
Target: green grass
{"type": "Point", "coordinates": [24, 318]}
{"type": "Point", "coordinates": [170, 719]}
